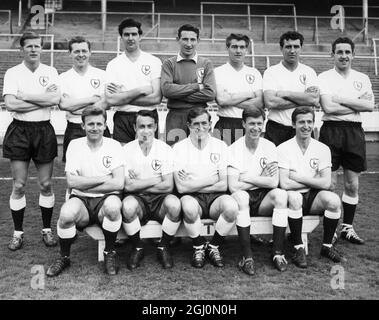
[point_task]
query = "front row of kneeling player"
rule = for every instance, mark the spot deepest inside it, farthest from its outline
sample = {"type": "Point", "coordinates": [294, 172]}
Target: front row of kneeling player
{"type": "Point", "coordinates": [200, 177]}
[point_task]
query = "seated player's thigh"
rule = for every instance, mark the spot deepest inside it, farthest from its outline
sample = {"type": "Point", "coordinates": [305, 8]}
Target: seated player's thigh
{"type": "Point", "coordinates": [191, 208]}
{"type": "Point", "coordinates": [74, 211]}
{"type": "Point", "coordinates": [111, 208]}
{"type": "Point", "coordinates": [322, 201]}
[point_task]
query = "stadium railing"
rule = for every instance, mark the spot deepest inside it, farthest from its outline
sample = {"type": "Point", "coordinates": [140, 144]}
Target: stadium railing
{"type": "Point", "coordinates": [248, 5]}
{"type": "Point", "coordinates": [153, 229]}
{"type": "Point", "coordinates": [316, 27]}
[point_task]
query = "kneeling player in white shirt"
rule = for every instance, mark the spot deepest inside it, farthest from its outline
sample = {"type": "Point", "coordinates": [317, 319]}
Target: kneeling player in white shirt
{"type": "Point", "coordinates": [148, 185]}
{"type": "Point", "coordinates": [95, 174]}
{"type": "Point", "coordinates": [200, 174]}
{"type": "Point", "coordinates": [253, 177]}
{"type": "Point", "coordinates": [305, 172]}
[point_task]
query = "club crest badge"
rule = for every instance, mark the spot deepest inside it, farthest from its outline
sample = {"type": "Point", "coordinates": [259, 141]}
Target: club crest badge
{"type": "Point", "coordinates": [357, 85]}
{"type": "Point", "coordinates": [250, 78]}
{"type": "Point", "coordinates": [314, 163]}
{"type": "Point", "coordinates": [200, 75]}
{"type": "Point", "coordinates": [263, 162]}
{"type": "Point", "coordinates": [43, 80]}
{"type": "Point", "coordinates": [146, 69]}
{"type": "Point", "coordinates": [107, 161]}
{"type": "Point", "coordinates": [303, 78]}
{"type": "Point", "coordinates": [95, 83]}
{"type": "Point", "coordinates": [215, 157]}
{"type": "Point", "coordinates": [156, 164]}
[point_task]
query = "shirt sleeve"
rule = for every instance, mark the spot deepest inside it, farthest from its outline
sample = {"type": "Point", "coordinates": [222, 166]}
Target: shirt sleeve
{"type": "Point", "coordinates": [118, 159]}
{"type": "Point", "coordinates": [178, 163]}
{"type": "Point", "coordinates": [269, 82]}
{"type": "Point", "coordinates": [55, 77]}
{"type": "Point", "coordinates": [223, 164]}
{"type": "Point", "coordinates": [72, 160]}
{"type": "Point", "coordinates": [168, 162]}
{"type": "Point", "coordinates": [325, 159]}
{"type": "Point", "coordinates": [157, 68]}
{"type": "Point", "coordinates": [324, 86]}
{"type": "Point", "coordinates": [258, 82]}
{"type": "Point", "coordinates": [312, 80]}
{"type": "Point", "coordinates": [283, 159]}
{"type": "Point", "coordinates": [273, 154]}
{"type": "Point", "coordinates": [10, 83]}
{"type": "Point", "coordinates": [111, 73]}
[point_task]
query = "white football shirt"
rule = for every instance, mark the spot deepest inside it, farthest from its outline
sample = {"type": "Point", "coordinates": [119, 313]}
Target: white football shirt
{"type": "Point", "coordinates": [316, 158]}
{"type": "Point", "coordinates": [20, 78]}
{"type": "Point", "coordinates": [353, 86]}
{"type": "Point", "coordinates": [201, 163]}
{"type": "Point", "coordinates": [241, 158]}
{"type": "Point", "coordinates": [157, 163]}
{"type": "Point", "coordinates": [233, 81]}
{"type": "Point", "coordinates": [130, 75]}
{"type": "Point", "coordinates": [278, 77]}
{"type": "Point", "coordinates": [82, 161]}
{"type": "Point", "coordinates": [79, 86]}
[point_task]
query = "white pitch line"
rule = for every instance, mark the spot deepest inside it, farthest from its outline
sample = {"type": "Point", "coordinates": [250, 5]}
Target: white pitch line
{"type": "Point", "coordinates": [64, 178]}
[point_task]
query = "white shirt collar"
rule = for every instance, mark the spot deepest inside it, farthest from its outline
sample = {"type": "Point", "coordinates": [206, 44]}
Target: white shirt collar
{"type": "Point", "coordinates": [180, 58]}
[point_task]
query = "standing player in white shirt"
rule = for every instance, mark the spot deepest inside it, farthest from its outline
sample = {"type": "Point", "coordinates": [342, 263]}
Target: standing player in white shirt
{"type": "Point", "coordinates": [133, 82]}
{"type": "Point", "coordinates": [200, 174]}
{"type": "Point", "coordinates": [345, 93]}
{"type": "Point", "coordinates": [81, 86]}
{"type": "Point", "coordinates": [30, 90]}
{"type": "Point", "coordinates": [149, 183]}
{"type": "Point", "coordinates": [238, 87]}
{"type": "Point", "coordinates": [95, 174]}
{"type": "Point", "coordinates": [253, 179]}
{"type": "Point", "coordinates": [287, 85]}
{"type": "Point", "coordinates": [305, 172]}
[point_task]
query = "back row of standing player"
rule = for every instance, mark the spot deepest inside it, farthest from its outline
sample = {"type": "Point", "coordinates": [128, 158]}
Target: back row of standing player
{"type": "Point", "coordinates": [136, 80]}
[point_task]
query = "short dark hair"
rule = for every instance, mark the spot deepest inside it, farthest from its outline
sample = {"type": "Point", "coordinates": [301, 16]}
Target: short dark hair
{"type": "Point", "coordinates": [343, 40]}
{"type": "Point", "coordinates": [302, 110]}
{"type": "Point", "coordinates": [254, 112]}
{"type": "Point", "coordinates": [197, 111]}
{"type": "Point", "coordinates": [129, 23]}
{"type": "Point", "coordinates": [147, 113]}
{"type": "Point", "coordinates": [188, 27]}
{"type": "Point", "coordinates": [30, 35]}
{"type": "Point", "coordinates": [238, 37]}
{"type": "Point", "coordinates": [93, 111]}
{"type": "Point", "coordinates": [78, 39]}
{"type": "Point", "coordinates": [291, 35]}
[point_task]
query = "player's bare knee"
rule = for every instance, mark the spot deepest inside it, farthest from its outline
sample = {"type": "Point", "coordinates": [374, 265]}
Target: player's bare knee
{"type": "Point", "coordinates": [129, 209]}
{"type": "Point", "coordinates": [295, 200]}
{"type": "Point", "coordinates": [18, 188]}
{"type": "Point", "coordinates": [242, 198]}
{"type": "Point", "coordinates": [351, 188]}
{"type": "Point", "coordinates": [280, 198]}
{"type": "Point", "coordinates": [67, 217]}
{"type": "Point", "coordinates": [173, 208]}
{"type": "Point", "coordinates": [112, 209]}
{"type": "Point", "coordinates": [230, 210]}
{"type": "Point", "coordinates": [45, 187]}
{"type": "Point", "coordinates": [333, 202]}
